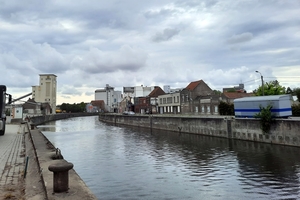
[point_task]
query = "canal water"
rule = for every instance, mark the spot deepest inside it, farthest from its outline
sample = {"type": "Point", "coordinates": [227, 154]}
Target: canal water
{"type": "Point", "coordinates": [133, 163]}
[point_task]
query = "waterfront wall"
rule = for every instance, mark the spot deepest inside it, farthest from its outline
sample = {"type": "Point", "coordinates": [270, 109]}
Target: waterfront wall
{"type": "Point", "coordinates": [283, 131]}
{"type": "Point", "coordinates": [42, 155]}
{"type": "Point", "coordinates": [37, 120]}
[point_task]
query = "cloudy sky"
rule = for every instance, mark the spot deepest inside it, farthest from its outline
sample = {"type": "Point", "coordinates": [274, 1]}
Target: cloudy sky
{"type": "Point", "coordinates": [88, 44]}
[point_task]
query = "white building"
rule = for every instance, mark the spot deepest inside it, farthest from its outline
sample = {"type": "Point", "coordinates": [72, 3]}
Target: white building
{"type": "Point", "coordinates": [110, 97]}
{"type": "Point", "coordinates": [138, 91]}
{"type": "Point", "coordinates": [45, 92]}
{"type": "Point", "coordinates": [169, 103]}
{"type": "Point", "coordinates": [128, 92]}
{"type": "Point", "coordinates": [141, 91]}
{"type": "Point", "coordinates": [167, 88]}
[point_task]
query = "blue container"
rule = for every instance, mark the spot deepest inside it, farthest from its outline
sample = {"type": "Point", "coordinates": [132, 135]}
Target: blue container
{"type": "Point", "coordinates": [250, 106]}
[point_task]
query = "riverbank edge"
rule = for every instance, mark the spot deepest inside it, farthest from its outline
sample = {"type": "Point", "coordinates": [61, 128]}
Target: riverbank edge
{"type": "Point", "coordinates": [42, 151]}
{"type": "Point", "coordinates": [42, 119]}
{"type": "Point", "coordinates": [282, 132]}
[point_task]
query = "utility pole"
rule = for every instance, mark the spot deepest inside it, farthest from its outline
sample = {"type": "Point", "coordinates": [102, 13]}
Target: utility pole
{"type": "Point", "coordinates": [262, 82]}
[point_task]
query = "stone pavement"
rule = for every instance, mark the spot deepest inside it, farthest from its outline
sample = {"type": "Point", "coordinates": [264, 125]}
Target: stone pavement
{"type": "Point", "coordinates": [12, 162]}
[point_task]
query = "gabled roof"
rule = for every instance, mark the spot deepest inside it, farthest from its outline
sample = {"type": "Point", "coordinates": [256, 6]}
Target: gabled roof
{"type": "Point", "coordinates": [236, 95]}
{"type": "Point", "coordinates": [97, 102]}
{"type": "Point", "coordinates": [29, 104]}
{"type": "Point", "coordinates": [194, 84]}
{"type": "Point", "coordinates": [156, 92]}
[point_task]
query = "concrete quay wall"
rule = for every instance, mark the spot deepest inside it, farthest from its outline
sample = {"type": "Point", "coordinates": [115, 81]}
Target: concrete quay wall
{"type": "Point", "coordinates": [283, 131]}
{"type": "Point", "coordinates": [44, 153]}
{"type": "Point", "coordinates": [37, 120]}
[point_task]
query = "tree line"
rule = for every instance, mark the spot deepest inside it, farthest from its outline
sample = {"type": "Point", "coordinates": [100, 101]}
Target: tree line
{"type": "Point", "coordinates": [73, 108]}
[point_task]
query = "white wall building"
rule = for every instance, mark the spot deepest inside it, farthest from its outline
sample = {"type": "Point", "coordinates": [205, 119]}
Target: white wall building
{"type": "Point", "coordinates": [110, 97]}
{"type": "Point", "coordinates": [128, 92]}
{"type": "Point", "coordinates": [169, 103]}
{"type": "Point", "coordinates": [167, 88]}
{"type": "Point", "coordinates": [137, 91]}
{"type": "Point", "coordinates": [45, 92]}
{"type": "Point", "coordinates": [141, 91]}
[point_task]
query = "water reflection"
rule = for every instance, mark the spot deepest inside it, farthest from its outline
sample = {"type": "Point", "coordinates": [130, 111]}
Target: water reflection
{"type": "Point", "coordinates": [133, 163]}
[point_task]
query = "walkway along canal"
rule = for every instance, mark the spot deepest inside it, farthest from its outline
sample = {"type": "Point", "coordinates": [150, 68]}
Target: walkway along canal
{"type": "Point", "coordinates": [283, 131]}
{"type": "Point", "coordinates": [125, 162]}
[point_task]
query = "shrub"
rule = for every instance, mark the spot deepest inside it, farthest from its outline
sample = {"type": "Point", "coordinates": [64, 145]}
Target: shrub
{"type": "Point", "coordinates": [226, 108]}
{"type": "Point", "coordinates": [266, 118]}
{"type": "Point", "coordinates": [296, 110]}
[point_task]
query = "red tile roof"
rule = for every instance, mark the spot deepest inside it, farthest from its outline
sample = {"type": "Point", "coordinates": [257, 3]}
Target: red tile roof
{"type": "Point", "coordinates": [99, 103]}
{"type": "Point", "coordinates": [156, 92]}
{"type": "Point", "coordinates": [193, 85]}
{"type": "Point", "coordinates": [236, 95]}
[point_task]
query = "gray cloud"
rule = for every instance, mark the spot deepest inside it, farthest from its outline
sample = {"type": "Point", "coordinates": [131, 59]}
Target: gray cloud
{"type": "Point", "coordinates": [166, 35]}
{"type": "Point", "coordinates": [68, 90]}
{"type": "Point", "coordinates": [244, 37]}
{"type": "Point", "coordinates": [97, 61]}
{"type": "Point", "coordinates": [165, 12]}
{"type": "Point", "coordinates": [92, 43]}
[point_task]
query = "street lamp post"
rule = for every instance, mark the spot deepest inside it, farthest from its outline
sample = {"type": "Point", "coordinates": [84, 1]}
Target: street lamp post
{"type": "Point", "coordinates": [262, 82]}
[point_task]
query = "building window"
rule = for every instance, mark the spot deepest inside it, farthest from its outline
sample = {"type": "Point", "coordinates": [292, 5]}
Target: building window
{"type": "Point", "coordinates": [164, 100]}
{"type": "Point", "coordinates": [160, 101]}
{"type": "Point", "coordinates": [177, 99]}
{"type": "Point", "coordinates": [216, 109]}
{"type": "Point", "coordinates": [208, 109]}
{"type": "Point", "coordinates": [202, 109]}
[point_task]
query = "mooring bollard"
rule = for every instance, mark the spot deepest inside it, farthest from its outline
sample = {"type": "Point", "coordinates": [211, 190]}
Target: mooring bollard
{"type": "Point", "coordinates": [60, 169]}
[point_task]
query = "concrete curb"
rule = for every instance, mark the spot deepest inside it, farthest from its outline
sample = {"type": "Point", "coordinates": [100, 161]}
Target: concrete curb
{"type": "Point", "coordinates": [44, 157]}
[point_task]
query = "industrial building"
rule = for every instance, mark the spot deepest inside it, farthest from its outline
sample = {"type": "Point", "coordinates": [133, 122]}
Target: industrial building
{"type": "Point", "coordinates": [45, 92]}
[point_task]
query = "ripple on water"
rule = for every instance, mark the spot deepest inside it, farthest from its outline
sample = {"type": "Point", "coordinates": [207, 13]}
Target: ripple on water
{"type": "Point", "coordinates": [127, 163]}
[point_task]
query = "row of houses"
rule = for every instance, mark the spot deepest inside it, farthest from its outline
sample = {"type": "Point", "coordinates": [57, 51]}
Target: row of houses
{"type": "Point", "coordinates": [196, 98]}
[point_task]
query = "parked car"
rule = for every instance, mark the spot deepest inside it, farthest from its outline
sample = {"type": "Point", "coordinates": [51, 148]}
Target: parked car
{"type": "Point", "coordinates": [131, 113]}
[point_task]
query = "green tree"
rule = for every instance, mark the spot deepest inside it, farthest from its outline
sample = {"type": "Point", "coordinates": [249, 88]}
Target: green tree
{"type": "Point", "coordinates": [296, 92]}
{"type": "Point", "coordinates": [226, 108]}
{"type": "Point", "coordinates": [270, 88]}
{"type": "Point", "coordinates": [217, 92]}
{"type": "Point", "coordinates": [296, 109]}
{"type": "Point", "coordinates": [289, 91]}
{"type": "Point", "coordinates": [231, 90]}
{"type": "Point", "coordinates": [75, 107]}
